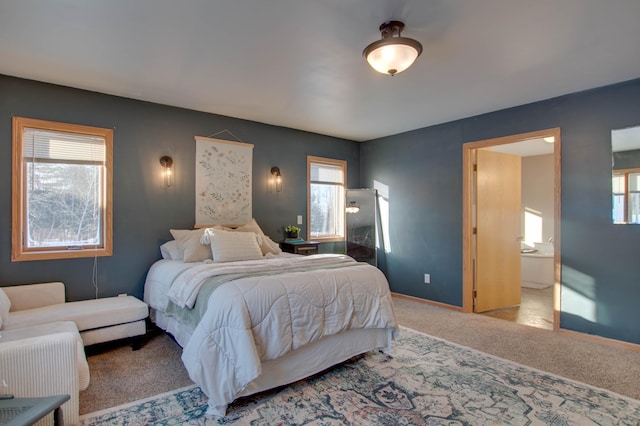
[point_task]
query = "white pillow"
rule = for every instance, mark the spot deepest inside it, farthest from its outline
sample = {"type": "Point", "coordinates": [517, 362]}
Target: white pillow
{"type": "Point", "coordinates": [231, 246]}
{"type": "Point", "coordinates": [5, 306]}
{"type": "Point", "coordinates": [171, 250]}
{"type": "Point", "coordinates": [265, 246]}
{"type": "Point", "coordinates": [189, 242]}
{"type": "Point", "coordinates": [273, 246]}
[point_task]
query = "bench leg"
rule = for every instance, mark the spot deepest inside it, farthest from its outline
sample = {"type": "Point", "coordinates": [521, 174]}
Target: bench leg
{"type": "Point", "coordinates": [136, 343]}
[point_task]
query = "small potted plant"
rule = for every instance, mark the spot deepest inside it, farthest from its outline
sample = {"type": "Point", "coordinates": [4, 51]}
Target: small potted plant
{"type": "Point", "coordinates": [292, 231]}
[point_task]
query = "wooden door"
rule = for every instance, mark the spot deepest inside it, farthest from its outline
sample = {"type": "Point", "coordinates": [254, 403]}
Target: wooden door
{"type": "Point", "coordinates": [498, 204]}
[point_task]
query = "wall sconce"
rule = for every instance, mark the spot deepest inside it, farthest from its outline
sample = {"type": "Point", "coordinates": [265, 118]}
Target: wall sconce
{"type": "Point", "coordinates": [167, 163]}
{"type": "Point", "coordinates": [352, 207]}
{"type": "Point", "coordinates": [277, 178]}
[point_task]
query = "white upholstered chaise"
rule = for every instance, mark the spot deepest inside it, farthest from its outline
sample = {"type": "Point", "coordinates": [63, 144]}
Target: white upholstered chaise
{"type": "Point", "coordinates": [98, 320]}
{"type": "Point", "coordinates": [42, 340]}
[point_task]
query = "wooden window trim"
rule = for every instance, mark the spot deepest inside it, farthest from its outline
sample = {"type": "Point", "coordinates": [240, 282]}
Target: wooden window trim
{"type": "Point", "coordinates": [625, 174]}
{"type": "Point", "coordinates": [18, 195]}
{"type": "Point", "coordinates": [332, 162]}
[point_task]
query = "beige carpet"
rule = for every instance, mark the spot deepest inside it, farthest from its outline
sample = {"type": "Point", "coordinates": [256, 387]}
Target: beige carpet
{"type": "Point", "coordinates": [119, 375]}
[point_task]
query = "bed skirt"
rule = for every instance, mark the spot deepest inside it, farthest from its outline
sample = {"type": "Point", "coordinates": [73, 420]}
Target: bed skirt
{"type": "Point", "coordinates": [303, 362]}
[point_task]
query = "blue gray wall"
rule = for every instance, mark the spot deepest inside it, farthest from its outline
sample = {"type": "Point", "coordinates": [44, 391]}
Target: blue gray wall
{"type": "Point", "coordinates": [144, 210]}
{"type": "Point", "coordinates": [423, 170]}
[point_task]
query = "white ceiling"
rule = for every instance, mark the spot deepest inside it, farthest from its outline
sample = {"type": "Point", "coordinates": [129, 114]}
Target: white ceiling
{"type": "Point", "coordinates": [527, 148]}
{"type": "Point", "coordinates": [298, 63]}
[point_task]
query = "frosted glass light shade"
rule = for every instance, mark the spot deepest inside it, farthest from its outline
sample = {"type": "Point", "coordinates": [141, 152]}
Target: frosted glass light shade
{"type": "Point", "coordinates": [393, 53]}
{"type": "Point", "coordinates": [392, 59]}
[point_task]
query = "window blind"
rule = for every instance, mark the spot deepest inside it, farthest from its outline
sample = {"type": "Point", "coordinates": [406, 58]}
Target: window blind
{"type": "Point", "coordinates": [327, 173]}
{"type": "Point", "coordinates": [47, 145]}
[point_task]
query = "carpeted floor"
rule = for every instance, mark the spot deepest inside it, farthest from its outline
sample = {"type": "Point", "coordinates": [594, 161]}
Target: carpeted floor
{"type": "Point", "coordinates": [119, 375]}
{"type": "Point", "coordinates": [597, 364]}
{"type": "Point", "coordinates": [424, 380]}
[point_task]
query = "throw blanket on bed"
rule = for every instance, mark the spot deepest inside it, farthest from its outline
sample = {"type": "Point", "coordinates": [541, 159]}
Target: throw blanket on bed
{"type": "Point", "coordinates": [254, 319]}
{"type": "Point", "coordinates": [185, 288]}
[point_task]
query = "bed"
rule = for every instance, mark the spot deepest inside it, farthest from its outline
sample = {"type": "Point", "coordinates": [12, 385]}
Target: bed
{"type": "Point", "coordinates": [249, 322]}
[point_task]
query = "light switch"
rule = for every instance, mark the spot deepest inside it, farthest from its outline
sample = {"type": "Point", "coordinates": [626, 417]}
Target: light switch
{"type": "Point", "coordinates": [299, 219]}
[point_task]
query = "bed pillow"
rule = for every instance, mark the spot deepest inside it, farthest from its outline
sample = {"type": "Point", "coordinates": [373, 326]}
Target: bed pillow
{"type": "Point", "coordinates": [171, 250]}
{"type": "Point", "coordinates": [265, 246]}
{"type": "Point", "coordinates": [5, 306]}
{"type": "Point", "coordinates": [273, 246]}
{"type": "Point", "coordinates": [189, 242]}
{"type": "Point", "coordinates": [231, 246]}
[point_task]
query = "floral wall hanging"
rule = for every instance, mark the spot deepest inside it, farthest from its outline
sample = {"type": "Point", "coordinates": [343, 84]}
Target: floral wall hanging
{"type": "Point", "coordinates": [223, 182]}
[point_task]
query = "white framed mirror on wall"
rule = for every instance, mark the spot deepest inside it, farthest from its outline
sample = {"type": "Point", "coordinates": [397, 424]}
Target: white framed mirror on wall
{"type": "Point", "coordinates": [625, 186]}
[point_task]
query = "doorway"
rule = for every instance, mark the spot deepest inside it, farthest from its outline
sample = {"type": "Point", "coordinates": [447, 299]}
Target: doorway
{"type": "Point", "coordinates": [483, 271]}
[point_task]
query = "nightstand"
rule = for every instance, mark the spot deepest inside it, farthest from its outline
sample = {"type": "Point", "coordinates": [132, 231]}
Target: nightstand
{"type": "Point", "coordinates": [304, 248]}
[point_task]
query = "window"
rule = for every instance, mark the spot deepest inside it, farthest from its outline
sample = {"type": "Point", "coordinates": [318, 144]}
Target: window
{"type": "Point", "coordinates": [626, 196]}
{"type": "Point", "coordinates": [327, 182]}
{"type": "Point", "coordinates": [532, 226]}
{"type": "Point", "coordinates": [61, 198]}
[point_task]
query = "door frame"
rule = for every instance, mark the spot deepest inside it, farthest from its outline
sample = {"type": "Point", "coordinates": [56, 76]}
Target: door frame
{"type": "Point", "coordinates": [467, 218]}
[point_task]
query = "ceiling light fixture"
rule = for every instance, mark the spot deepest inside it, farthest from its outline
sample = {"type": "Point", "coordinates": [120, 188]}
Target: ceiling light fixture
{"type": "Point", "coordinates": [394, 53]}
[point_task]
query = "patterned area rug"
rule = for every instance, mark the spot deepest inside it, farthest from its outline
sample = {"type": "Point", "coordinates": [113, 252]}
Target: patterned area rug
{"type": "Point", "coordinates": [424, 381]}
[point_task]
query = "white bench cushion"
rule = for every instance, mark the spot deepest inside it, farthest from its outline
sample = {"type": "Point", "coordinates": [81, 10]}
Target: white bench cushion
{"type": "Point", "coordinates": [87, 314]}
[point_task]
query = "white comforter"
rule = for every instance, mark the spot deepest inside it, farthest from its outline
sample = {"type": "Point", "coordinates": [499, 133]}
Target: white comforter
{"type": "Point", "coordinates": [255, 319]}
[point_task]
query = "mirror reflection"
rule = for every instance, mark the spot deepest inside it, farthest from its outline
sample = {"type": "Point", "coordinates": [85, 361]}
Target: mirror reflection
{"type": "Point", "coordinates": [625, 147]}
{"type": "Point", "coordinates": [361, 213]}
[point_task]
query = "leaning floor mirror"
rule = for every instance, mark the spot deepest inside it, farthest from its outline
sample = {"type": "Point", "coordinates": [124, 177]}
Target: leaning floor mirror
{"type": "Point", "coordinates": [361, 213]}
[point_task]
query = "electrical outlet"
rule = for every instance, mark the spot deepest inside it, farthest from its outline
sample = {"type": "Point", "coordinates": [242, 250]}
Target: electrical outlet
{"type": "Point", "coordinates": [427, 278]}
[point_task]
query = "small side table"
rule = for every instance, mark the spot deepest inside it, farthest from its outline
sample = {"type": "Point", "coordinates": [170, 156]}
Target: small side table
{"type": "Point", "coordinates": [304, 248]}
{"type": "Point", "coordinates": [26, 411]}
